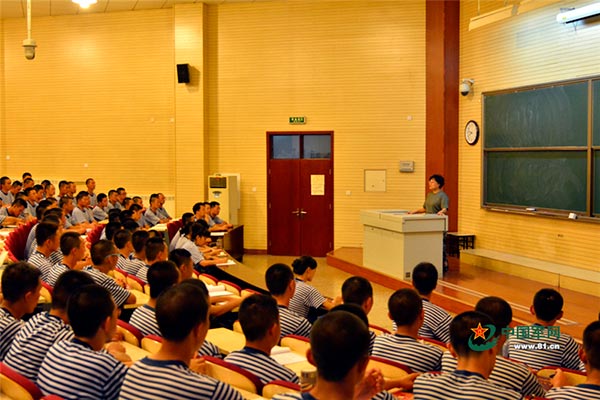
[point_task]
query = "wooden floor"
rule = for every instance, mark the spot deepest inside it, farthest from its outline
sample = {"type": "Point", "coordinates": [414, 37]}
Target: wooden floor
{"type": "Point", "coordinates": [465, 284]}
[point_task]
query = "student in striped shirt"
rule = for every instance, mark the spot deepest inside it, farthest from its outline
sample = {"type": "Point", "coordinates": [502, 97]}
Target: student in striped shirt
{"type": "Point", "coordinates": [590, 355]}
{"type": "Point", "coordinates": [80, 368]}
{"type": "Point", "coordinates": [155, 250]}
{"type": "Point", "coordinates": [138, 257]}
{"type": "Point", "coordinates": [259, 318]}
{"type": "Point", "coordinates": [21, 288]}
{"type": "Point", "coordinates": [47, 236]}
{"type": "Point", "coordinates": [39, 214]}
{"type": "Point", "coordinates": [44, 329]}
{"type": "Point", "coordinates": [122, 241]}
{"type": "Point", "coordinates": [559, 348]}
{"type": "Point", "coordinates": [307, 297]}
{"type": "Point", "coordinates": [182, 316]}
{"type": "Point", "coordinates": [281, 284]}
{"type": "Point", "coordinates": [506, 373]}
{"type": "Point", "coordinates": [54, 215]}
{"type": "Point", "coordinates": [406, 309]}
{"type": "Point", "coordinates": [437, 321]}
{"type": "Point", "coordinates": [472, 342]}
{"type": "Point", "coordinates": [74, 249]}
{"type": "Point", "coordinates": [104, 257]}
{"type": "Point", "coordinates": [358, 290]}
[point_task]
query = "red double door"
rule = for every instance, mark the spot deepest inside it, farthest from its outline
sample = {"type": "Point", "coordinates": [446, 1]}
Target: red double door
{"type": "Point", "coordinates": [300, 193]}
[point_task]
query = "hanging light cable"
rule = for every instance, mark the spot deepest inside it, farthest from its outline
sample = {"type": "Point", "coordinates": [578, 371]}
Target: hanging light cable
{"type": "Point", "coordinates": [29, 44]}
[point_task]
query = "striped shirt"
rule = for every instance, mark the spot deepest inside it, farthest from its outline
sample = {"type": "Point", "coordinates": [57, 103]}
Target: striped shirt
{"type": "Point", "coordinates": [436, 324]}
{"type": "Point", "coordinates": [408, 351]}
{"type": "Point", "coordinates": [133, 265]}
{"type": "Point", "coordinates": [261, 365]}
{"type": "Point", "coordinates": [144, 318]}
{"type": "Point", "coordinates": [172, 380]}
{"type": "Point", "coordinates": [293, 324]}
{"type": "Point", "coordinates": [119, 294]}
{"type": "Point", "coordinates": [56, 271]}
{"type": "Point", "coordinates": [459, 384]}
{"type": "Point", "coordinates": [122, 261]}
{"type": "Point", "coordinates": [42, 263]}
{"type": "Point", "coordinates": [29, 248]}
{"type": "Point", "coordinates": [307, 396]}
{"type": "Point", "coordinates": [506, 374]}
{"type": "Point", "coordinates": [56, 257]}
{"type": "Point", "coordinates": [142, 273]}
{"type": "Point", "coordinates": [9, 326]}
{"type": "Point", "coordinates": [32, 342]}
{"type": "Point", "coordinates": [583, 391]}
{"type": "Point", "coordinates": [305, 297]}
{"type": "Point", "coordinates": [560, 351]}
{"type": "Point", "coordinates": [73, 370]}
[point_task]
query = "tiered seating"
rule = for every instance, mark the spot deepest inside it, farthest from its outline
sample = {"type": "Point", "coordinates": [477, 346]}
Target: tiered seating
{"type": "Point", "coordinates": [16, 241]}
{"type": "Point", "coordinates": [16, 386]}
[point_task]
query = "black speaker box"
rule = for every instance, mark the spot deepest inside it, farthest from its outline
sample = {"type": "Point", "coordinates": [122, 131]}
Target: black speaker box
{"type": "Point", "coordinates": [183, 73]}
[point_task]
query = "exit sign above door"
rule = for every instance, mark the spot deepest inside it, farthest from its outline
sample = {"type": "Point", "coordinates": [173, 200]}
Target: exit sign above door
{"type": "Point", "coordinates": [297, 120]}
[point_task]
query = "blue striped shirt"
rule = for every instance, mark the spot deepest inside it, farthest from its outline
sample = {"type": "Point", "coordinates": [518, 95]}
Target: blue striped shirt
{"type": "Point", "coordinates": [565, 353]}
{"type": "Point", "coordinates": [119, 294]}
{"type": "Point", "coordinates": [583, 391]}
{"type": "Point", "coordinates": [144, 318]}
{"type": "Point", "coordinates": [142, 273]}
{"type": "Point", "coordinates": [56, 271]}
{"type": "Point", "coordinates": [293, 324]}
{"type": "Point", "coordinates": [133, 266]}
{"type": "Point", "coordinates": [42, 263]}
{"type": "Point", "coordinates": [463, 385]}
{"type": "Point", "coordinates": [172, 380]}
{"type": "Point", "coordinates": [9, 326]}
{"type": "Point", "coordinates": [261, 365]}
{"type": "Point", "coordinates": [307, 396]}
{"type": "Point", "coordinates": [408, 351]}
{"type": "Point", "coordinates": [436, 324]}
{"type": "Point", "coordinates": [73, 370]}
{"type": "Point", "coordinates": [305, 297]}
{"type": "Point", "coordinates": [506, 373]}
{"type": "Point", "coordinates": [32, 342]}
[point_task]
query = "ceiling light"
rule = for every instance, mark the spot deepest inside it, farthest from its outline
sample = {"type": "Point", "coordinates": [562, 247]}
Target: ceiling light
{"type": "Point", "coordinates": [85, 3]}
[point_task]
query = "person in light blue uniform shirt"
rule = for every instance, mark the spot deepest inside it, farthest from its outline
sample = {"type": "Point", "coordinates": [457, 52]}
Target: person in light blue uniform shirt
{"type": "Point", "coordinates": [5, 195]}
{"type": "Point", "coordinates": [90, 183]}
{"type": "Point", "coordinates": [100, 211]}
{"type": "Point", "coordinates": [82, 213]}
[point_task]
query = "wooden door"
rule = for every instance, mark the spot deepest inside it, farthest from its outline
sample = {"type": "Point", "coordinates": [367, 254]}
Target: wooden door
{"type": "Point", "coordinates": [300, 193]}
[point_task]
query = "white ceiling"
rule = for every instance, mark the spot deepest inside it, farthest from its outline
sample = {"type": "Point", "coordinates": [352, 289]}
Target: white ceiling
{"type": "Point", "coordinates": [45, 8]}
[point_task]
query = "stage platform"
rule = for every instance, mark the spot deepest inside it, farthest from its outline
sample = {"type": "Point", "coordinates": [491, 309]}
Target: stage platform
{"type": "Point", "coordinates": [463, 285]}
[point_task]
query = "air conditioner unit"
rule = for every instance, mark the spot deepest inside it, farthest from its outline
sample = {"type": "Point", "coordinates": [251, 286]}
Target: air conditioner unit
{"type": "Point", "coordinates": [579, 13]}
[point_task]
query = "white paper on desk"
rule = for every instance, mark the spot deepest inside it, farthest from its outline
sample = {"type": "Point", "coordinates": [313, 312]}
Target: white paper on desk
{"type": "Point", "coordinates": [215, 288]}
{"type": "Point", "coordinates": [286, 356]}
{"type": "Point", "coordinates": [229, 262]}
{"type": "Point", "coordinates": [218, 233]}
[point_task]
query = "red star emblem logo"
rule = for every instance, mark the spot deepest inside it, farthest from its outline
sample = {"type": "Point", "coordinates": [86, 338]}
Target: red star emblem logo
{"type": "Point", "coordinates": [479, 331]}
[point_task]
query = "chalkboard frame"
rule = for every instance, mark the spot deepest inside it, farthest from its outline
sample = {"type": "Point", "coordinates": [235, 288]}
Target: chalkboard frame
{"type": "Point", "coordinates": [591, 213]}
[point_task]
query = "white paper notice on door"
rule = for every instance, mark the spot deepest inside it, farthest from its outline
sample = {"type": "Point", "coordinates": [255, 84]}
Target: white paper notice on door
{"type": "Point", "coordinates": [317, 185]}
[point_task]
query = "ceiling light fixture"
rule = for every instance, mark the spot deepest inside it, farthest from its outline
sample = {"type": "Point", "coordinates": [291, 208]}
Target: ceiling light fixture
{"type": "Point", "coordinates": [85, 3]}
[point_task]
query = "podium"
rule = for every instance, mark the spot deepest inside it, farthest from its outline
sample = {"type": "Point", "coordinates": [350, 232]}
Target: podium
{"type": "Point", "coordinates": [395, 242]}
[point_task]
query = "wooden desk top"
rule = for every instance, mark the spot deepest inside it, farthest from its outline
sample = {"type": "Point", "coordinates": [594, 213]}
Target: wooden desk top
{"type": "Point", "coordinates": [140, 299]}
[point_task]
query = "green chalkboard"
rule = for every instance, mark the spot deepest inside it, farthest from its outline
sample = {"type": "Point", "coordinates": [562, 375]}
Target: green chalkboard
{"type": "Point", "coordinates": [545, 117]}
{"type": "Point", "coordinates": [596, 112]}
{"type": "Point", "coordinates": [551, 180]}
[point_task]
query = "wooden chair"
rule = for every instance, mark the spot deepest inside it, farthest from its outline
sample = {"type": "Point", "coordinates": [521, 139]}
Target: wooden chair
{"type": "Point", "coordinates": [237, 327]}
{"type": "Point", "coordinates": [233, 375]}
{"type": "Point", "coordinates": [16, 241]}
{"type": "Point", "coordinates": [298, 344]}
{"type": "Point", "coordinates": [46, 292]}
{"type": "Point", "coordinates": [16, 386]}
{"type": "Point", "coordinates": [52, 397]}
{"type": "Point", "coordinates": [136, 283]}
{"type": "Point", "coordinates": [278, 387]}
{"type": "Point", "coordinates": [389, 369]}
{"type": "Point", "coordinates": [151, 343]}
{"type": "Point", "coordinates": [120, 274]}
{"type": "Point", "coordinates": [173, 227]}
{"type": "Point", "coordinates": [248, 292]}
{"type": "Point", "coordinates": [94, 234]}
{"type": "Point", "coordinates": [231, 287]}
{"type": "Point", "coordinates": [208, 279]}
{"type": "Point", "coordinates": [378, 329]}
{"type": "Point", "coordinates": [572, 376]}
{"type": "Point", "coordinates": [131, 334]}
{"type": "Point", "coordinates": [435, 343]}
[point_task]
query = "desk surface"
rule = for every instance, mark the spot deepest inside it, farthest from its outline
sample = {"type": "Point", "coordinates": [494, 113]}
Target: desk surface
{"type": "Point", "coordinates": [140, 299]}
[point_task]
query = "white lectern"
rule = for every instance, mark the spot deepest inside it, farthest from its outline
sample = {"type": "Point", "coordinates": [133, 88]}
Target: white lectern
{"type": "Point", "coordinates": [395, 242]}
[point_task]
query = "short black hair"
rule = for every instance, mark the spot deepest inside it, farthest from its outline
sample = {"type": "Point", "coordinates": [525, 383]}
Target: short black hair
{"type": "Point", "coordinates": [154, 246]}
{"type": "Point", "coordinates": [197, 207]}
{"type": "Point", "coordinates": [81, 195]}
{"type": "Point", "coordinates": [338, 342]}
{"type": "Point", "coordinates": [258, 313]}
{"type": "Point", "coordinates": [121, 238]}
{"type": "Point", "coordinates": [100, 250]}
{"type": "Point", "coordinates": [424, 278]}
{"type": "Point", "coordinates": [67, 284]}
{"type": "Point", "coordinates": [101, 197]}
{"type": "Point", "coordinates": [547, 304]}
{"type": "Point", "coordinates": [181, 308]}
{"type": "Point", "coordinates": [134, 207]}
{"type": "Point", "coordinates": [591, 344]}
{"type": "Point", "coordinates": [439, 179]}
{"type": "Point", "coordinates": [198, 229]}
{"type": "Point", "coordinates": [111, 228]}
{"type": "Point", "coordinates": [138, 239]}
{"type": "Point", "coordinates": [64, 200]}
{"type": "Point", "coordinates": [278, 278]}
{"type": "Point", "coordinates": [301, 264]}
{"type": "Point", "coordinates": [461, 333]}
{"type": "Point", "coordinates": [405, 306]}
{"type": "Point", "coordinates": [498, 309]}
{"type": "Point", "coordinates": [180, 257]}
{"type": "Point", "coordinates": [18, 279]}
{"type": "Point", "coordinates": [161, 276]}
{"type": "Point", "coordinates": [88, 308]}
{"type": "Point", "coordinates": [214, 204]}
{"type": "Point", "coordinates": [69, 241]}
{"type": "Point", "coordinates": [19, 203]}
{"type": "Point", "coordinates": [356, 290]}
{"type": "Point", "coordinates": [41, 208]}
{"type": "Point", "coordinates": [185, 218]}
{"type": "Point", "coordinates": [354, 309]}
{"type": "Point", "coordinates": [4, 179]}
{"type": "Point", "coordinates": [45, 231]}
{"type": "Point", "coordinates": [114, 215]}
{"type": "Point", "coordinates": [88, 180]}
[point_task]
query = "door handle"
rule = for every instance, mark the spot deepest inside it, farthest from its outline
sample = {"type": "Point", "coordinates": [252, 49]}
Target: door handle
{"type": "Point", "coordinates": [297, 212]}
{"type": "Point", "coordinates": [302, 212]}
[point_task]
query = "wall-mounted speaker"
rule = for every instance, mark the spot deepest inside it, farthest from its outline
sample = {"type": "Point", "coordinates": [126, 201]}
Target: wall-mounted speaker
{"type": "Point", "coordinates": [183, 73]}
